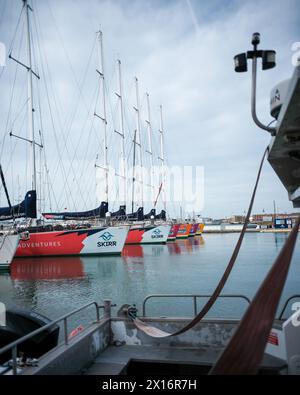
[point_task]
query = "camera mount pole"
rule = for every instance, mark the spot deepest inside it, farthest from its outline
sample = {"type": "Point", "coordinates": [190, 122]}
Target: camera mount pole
{"type": "Point", "coordinates": [255, 54]}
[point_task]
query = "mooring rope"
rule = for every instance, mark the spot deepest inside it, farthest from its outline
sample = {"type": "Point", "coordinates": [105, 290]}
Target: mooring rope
{"type": "Point", "coordinates": [157, 333]}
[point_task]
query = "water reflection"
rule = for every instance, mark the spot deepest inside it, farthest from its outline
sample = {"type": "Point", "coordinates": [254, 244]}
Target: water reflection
{"type": "Point", "coordinates": [279, 239]}
{"type": "Point", "coordinates": [174, 248]}
{"type": "Point", "coordinates": [186, 246]}
{"type": "Point", "coordinates": [136, 254]}
{"type": "Point", "coordinates": [54, 286]}
{"type": "Point", "coordinates": [51, 268]}
{"type": "Point", "coordinates": [157, 250]}
{"type": "Point", "coordinates": [133, 254]}
{"type": "Point", "coordinates": [100, 266]}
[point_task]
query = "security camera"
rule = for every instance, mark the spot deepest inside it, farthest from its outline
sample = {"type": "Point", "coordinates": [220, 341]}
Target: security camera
{"type": "Point", "coordinates": [255, 39]}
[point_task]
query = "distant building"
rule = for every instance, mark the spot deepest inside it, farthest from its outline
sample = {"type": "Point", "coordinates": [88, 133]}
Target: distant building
{"type": "Point", "coordinates": [268, 220]}
{"type": "Point", "coordinates": [235, 219]}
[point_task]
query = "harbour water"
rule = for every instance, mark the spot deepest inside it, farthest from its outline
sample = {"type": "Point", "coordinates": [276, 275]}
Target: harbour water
{"type": "Point", "coordinates": [55, 286]}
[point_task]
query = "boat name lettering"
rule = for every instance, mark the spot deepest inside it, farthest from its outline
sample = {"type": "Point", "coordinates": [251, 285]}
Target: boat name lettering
{"type": "Point", "coordinates": [107, 244]}
{"type": "Point", "coordinates": [41, 244]}
{"type": "Point", "coordinates": [157, 234]}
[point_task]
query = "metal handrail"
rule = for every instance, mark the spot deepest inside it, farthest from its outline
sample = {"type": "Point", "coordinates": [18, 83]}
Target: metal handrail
{"type": "Point", "coordinates": [14, 345]}
{"type": "Point", "coordinates": [193, 296]}
{"type": "Point", "coordinates": [286, 304]}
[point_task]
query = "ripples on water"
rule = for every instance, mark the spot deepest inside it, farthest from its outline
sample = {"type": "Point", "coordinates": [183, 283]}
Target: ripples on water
{"type": "Point", "coordinates": [55, 286]}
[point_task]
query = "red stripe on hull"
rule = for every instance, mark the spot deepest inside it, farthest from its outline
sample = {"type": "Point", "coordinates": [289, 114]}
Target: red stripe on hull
{"type": "Point", "coordinates": [135, 236]}
{"type": "Point", "coordinates": [193, 230]}
{"type": "Point", "coordinates": [51, 243]}
{"type": "Point", "coordinates": [173, 232]}
{"type": "Point", "coordinates": [184, 230]}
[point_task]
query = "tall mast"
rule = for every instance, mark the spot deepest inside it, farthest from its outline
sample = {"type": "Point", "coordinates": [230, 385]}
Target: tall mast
{"type": "Point", "coordinates": [30, 100]}
{"type": "Point", "coordinates": [103, 117]}
{"type": "Point", "coordinates": [121, 132]}
{"type": "Point", "coordinates": [138, 118]}
{"type": "Point", "coordinates": [150, 151]}
{"type": "Point", "coordinates": [133, 171]}
{"type": "Point", "coordinates": [162, 157]}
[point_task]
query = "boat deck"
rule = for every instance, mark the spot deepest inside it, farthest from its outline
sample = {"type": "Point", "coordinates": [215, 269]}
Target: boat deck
{"type": "Point", "coordinates": [114, 346]}
{"type": "Point", "coordinates": [138, 359]}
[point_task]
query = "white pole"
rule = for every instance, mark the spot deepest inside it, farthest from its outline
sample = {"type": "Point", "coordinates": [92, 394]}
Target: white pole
{"type": "Point", "coordinates": [162, 157]}
{"type": "Point", "coordinates": [100, 36]}
{"type": "Point", "coordinates": [122, 130]}
{"type": "Point", "coordinates": [150, 151]}
{"type": "Point", "coordinates": [30, 101]}
{"type": "Point", "coordinates": [138, 112]}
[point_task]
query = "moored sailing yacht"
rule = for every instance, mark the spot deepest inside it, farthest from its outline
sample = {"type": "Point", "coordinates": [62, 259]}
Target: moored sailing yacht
{"type": "Point", "coordinates": [141, 233]}
{"type": "Point", "coordinates": [200, 229]}
{"type": "Point", "coordinates": [8, 246]}
{"type": "Point", "coordinates": [193, 230]}
{"type": "Point", "coordinates": [9, 239]}
{"type": "Point", "coordinates": [42, 242]}
{"type": "Point", "coordinates": [173, 232]}
{"type": "Point", "coordinates": [184, 231]}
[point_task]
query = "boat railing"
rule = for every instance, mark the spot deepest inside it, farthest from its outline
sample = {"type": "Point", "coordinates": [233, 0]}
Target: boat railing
{"type": "Point", "coordinates": [14, 345]}
{"type": "Point", "coordinates": [194, 298]}
{"type": "Point", "coordinates": [280, 317]}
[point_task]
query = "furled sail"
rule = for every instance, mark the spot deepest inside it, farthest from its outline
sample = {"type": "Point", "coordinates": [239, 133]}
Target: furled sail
{"type": "Point", "coordinates": [27, 208]}
{"type": "Point", "coordinates": [150, 215]}
{"type": "Point", "coordinates": [162, 215]}
{"type": "Point", "coordinates": [137, 216]}
{"type": "Point", "coordinates": [120, 214]}
{"type": "Point", "coordinates": [91, 214]}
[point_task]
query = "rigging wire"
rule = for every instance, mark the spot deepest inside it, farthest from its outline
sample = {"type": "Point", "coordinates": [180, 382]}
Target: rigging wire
{"type": "Point", "coordinates": [50, 110]}
{"type": "Point", "coordinates": [3, 12]}
{"type": "Point", "coordinates": [8, 118]}
{"type": "Point", "coordinates": [13, 38]}
{"type": "Point", "coordinates": [81, 95]}
{"type": "Point", "coordinates": [59, 151]}
{"type": "Point", "coordinates": [79, 85]}
{"type": "Point", "coordinates": [35, 20]}
{"type": "Point", "coordinates": [11, 98]}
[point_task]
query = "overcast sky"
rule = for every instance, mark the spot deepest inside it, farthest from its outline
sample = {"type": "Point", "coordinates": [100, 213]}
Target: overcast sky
{"type": "Point", "coordinates": [182, 52]}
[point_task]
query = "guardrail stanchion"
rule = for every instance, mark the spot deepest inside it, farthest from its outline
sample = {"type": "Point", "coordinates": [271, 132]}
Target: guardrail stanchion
{"type": "Point", "coordinates": [97, 311]}
{"type": "Point", "coordinates": [107, 308]}
{"type": "Point", "coordinates": [195, 305]}
{"type": "Point", "coordinates": [66, 331]}
{"type": "Point", "coordinates": [14, 360]}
